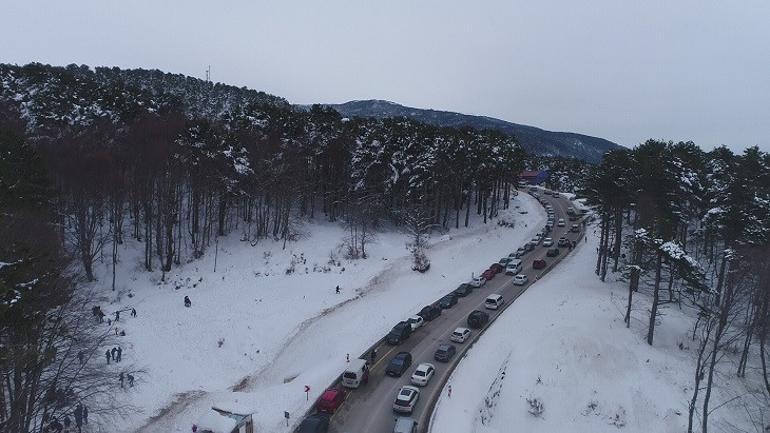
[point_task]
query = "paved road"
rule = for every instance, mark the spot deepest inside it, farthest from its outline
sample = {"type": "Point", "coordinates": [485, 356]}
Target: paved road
{"type": "Point", "coordinates": [368, 409]}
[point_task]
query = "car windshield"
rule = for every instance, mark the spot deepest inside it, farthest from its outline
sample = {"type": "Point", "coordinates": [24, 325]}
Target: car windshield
{"type": "Point", "coordinates": [458, 334]}
{"type": "Point", "coordinates": [349, 375]}
{"type": "Point", "coordinates": [419, 373]}
{"type": "Point", "coordinates": [400, 402]}
{"type": "Point", "coordinates": [397, 362]}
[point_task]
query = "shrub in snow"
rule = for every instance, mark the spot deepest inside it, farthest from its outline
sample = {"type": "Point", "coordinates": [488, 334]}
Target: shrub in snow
{"type": "Point", "coordinates": [536, 407]}
{"type": "Point", "coordinates": [420, 263]}
{"type": "Point", "coordinates": [619, 418]}
{"type": "Point", "coordinates": [221, 342]}
{"type": "Point", "coordinates": [591, 408]}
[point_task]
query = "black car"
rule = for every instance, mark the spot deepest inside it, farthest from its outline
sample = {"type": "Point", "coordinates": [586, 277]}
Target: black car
{"type": "Point", "coordinates": [399, 333]}
{"type": "Point", "coordinates": [552, 252]}
{"type": "Point", "coordinates": [316, 423]}
{"type": "Point", "coordinates": [477, 319]}
{"type": "Point", "coordinates": [445, 352]}
{"type": "Point", "coordinates": [399, 364]}
{"type": "Point", "coordinates": [447, 301]}
{"type": "Point", "coordinates": [430, 312]}
{"type": "Point", "coordinates": [464, 290]}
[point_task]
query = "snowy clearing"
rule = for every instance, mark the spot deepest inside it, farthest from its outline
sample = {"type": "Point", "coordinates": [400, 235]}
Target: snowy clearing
{"type": "Point", "coordinates": [265, 333]}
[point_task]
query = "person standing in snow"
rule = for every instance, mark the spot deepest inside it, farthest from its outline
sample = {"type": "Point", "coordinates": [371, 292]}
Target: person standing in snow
{"type": "Point", "coordinates": [120, 377]}
{"type": "Point", "coordinates": [131, 380]}
{"type": "Point", "coordinates": [133, 312]}
{"type": "Point", "coordinates": [114, 352]}
{"type": "Point", "coordinates": [120, 354]}
{"type": "Point", "coordinates": [117, 316]}
{"type": "Point", "coordinates": [338, 290]}
{"type": "Point", "coordinates": [107, 354]}
{"type": "Point", "coordinates": [187, 302]}
{"type": "Point", "coordinates": [79, 417]}
{"type": "Point", "coordinates": [85, 414]}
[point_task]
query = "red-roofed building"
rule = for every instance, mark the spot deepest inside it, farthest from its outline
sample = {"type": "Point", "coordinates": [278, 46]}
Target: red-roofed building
{"type": "Point", "coordinates": [534, 177]}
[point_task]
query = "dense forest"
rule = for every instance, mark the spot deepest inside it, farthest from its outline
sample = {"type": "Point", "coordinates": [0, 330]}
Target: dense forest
{"type": "Point", "coordinates": [89, 158]}
{"type": "Point", "coordinates": [691, 229]}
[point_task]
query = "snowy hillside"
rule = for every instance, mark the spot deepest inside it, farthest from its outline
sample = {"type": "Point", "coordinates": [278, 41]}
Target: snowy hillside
{"type": "Point", "coordinates": [266, 332]}
{"type": "Point", "coordinates": [561, 359]}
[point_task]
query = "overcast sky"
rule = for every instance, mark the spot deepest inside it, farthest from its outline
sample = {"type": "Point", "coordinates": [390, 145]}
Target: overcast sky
{"type": "Point", "coordinates": [621, 70]}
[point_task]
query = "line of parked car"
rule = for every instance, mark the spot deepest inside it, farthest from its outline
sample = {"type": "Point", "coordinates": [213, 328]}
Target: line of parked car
{"type": "Point", "coordinates": [357, 371]}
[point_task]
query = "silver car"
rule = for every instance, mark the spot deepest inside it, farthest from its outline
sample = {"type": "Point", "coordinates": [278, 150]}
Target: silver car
{"type": "Point", "coordinates": [405, 425]}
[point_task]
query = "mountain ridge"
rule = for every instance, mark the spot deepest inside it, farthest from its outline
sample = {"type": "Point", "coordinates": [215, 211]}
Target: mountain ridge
{"type": "Point", "coordinates": [533, 139]}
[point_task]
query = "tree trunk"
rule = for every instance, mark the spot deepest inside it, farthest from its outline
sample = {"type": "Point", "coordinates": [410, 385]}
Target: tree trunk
{"type": "Point", "coordinates": [655, 298]}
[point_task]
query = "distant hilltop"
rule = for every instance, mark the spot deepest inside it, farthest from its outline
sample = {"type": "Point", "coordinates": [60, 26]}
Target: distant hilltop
{"type": "Point", "coordinates": [534, 140]}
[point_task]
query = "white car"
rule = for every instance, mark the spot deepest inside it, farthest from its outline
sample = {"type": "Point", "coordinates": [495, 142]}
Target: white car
{"type": "Point", "coordinates": [520, 280]}
{"type": "Point", "coordinates": [548, 242]}
{"type": "Point", "coordinates": [477, 281]}
{"type": "Point", "coordinates": [416, 322]}
{"type": "Point", "coordinates": [423, 374]}
{"type": "Point", "coordinates": [561, 222]}
{"type": "Point", "coordinates": [513, 267]}
{"type": "Point", "coordinates": [406, 399]}
{"type": "Point", "coordinates": [535, 240]}
{"type": "Point", "coordinates": [459, 335]}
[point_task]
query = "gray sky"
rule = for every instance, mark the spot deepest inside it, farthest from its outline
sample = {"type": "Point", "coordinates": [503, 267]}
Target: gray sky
{"type": "Point", "coordinates": [622, 70]}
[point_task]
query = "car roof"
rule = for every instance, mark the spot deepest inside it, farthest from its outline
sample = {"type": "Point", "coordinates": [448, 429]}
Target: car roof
{"type": "Point", "coordinates": [425, 366]}
{"type": "Point", "coordinates": [461, 329]}
{"type": "Point", "coordinates": [330, 394]}
{"type": "Point", "coordinates": [444, 346]}
{"type": "Point", "coordinates": [403, 423]}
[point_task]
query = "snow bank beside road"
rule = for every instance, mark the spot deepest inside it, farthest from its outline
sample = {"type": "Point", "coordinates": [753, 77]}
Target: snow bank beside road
{"type": "Point", "coordinates": [572, 356]}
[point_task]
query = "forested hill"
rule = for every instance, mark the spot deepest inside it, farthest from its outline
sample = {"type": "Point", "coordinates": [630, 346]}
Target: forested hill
{"type": "Point", "coordinates": [51, 96]}
{"type": "Point", "coordinates": [534, 140]}
{"type": "Point", "coordinates": [183, 161]}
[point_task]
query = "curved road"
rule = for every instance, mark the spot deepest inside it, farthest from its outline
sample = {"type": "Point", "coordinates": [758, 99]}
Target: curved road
{"type": "Point", "coordinates": [368, 409]}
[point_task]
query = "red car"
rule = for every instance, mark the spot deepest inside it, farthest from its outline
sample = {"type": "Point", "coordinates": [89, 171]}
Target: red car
{"type": "Point", "coordinates": [330, 400]}
{"type": "Point", "coordinates": [496, 267]}
{"type": "Point", "coordinates": [488, 274]}
{"type": "Point", "coordinates": [539, 264]}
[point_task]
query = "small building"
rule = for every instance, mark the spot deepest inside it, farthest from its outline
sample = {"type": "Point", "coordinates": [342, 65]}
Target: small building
{"type": "Point", "coordinates": [534, 177]}
{"type": "Point", "coordinates": [224, 418]}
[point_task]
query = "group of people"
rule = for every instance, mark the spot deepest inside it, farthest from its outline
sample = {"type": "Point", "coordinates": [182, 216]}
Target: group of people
{"type": "Point", "coordinates": [65, 425]}
{"type": "Point", "coordinates": [122, 377]}
{"type": "Point", "coordinates": [116, 354]}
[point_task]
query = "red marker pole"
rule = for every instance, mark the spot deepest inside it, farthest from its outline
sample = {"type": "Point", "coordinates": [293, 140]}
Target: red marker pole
{"type": "Point", "coordinates": [348, 357]}
{"type": "Point", "coordinates": [307, 393]}
{"type": "Point", "coordinates": [449, 391]}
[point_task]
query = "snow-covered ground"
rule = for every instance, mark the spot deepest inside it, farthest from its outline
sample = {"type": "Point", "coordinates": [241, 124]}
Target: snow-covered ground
{"type": "Point", "coordinates": [265, 333]}
{"type": "Point", "coordinates": [564, 344]}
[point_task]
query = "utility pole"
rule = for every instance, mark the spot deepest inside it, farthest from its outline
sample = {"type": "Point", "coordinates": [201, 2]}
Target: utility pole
{"type": "Point", "coordinates": [208, 73]}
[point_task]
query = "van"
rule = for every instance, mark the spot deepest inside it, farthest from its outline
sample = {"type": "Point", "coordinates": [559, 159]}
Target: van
{"type": "Point", "coordinates": [356, 373]}
{"type": "Point", "coordinates": [493, 302]}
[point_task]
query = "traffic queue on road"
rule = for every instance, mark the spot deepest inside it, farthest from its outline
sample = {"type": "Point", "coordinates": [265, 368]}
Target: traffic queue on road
{"type": "Point", "coordinates": [405, 400]}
